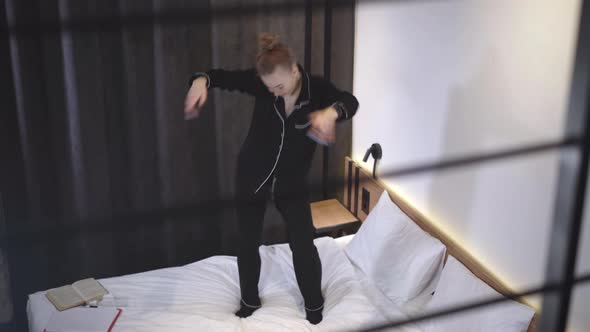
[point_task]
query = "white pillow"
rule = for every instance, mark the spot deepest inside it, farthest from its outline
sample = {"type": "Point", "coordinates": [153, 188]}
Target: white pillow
{"type": "Point", "coordinates": [458, 286]}
{"type": "Point", "coordinates": [402, 260]}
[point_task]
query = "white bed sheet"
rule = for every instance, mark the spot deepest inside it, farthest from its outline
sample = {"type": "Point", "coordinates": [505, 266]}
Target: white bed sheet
{"type": "Point", "coordinates": [203, 296]}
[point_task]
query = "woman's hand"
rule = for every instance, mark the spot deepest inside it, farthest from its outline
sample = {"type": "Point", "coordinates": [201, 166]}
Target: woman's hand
{"type": "Point", "coordinates": [323, 124]}
{"type": "Point", "coordinates": [195, 98]}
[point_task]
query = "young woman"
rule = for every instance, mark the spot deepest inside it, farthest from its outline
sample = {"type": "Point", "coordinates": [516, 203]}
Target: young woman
{"type": "Point", "coordinates": [292, 112]}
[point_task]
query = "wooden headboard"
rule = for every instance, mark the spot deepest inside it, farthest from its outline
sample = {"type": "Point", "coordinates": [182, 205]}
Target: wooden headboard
{"type": "Point", "coordinates": [359, 183]}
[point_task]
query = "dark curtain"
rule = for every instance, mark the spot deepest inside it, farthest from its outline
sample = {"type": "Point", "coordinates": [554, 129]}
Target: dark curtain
{"type": "Point", "coordinates": [93, 137]}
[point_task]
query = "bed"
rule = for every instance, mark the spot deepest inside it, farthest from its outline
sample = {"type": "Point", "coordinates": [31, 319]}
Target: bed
{"type": "Point", "coordinates": [361, 281]}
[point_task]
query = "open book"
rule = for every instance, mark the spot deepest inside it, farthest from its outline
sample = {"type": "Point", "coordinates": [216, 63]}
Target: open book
{"type": "Point", "coordinates": [80, 292]}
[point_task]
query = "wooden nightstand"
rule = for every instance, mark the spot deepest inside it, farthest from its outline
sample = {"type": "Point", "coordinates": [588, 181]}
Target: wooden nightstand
{"type": "Point", "coordinates": [329, 216]}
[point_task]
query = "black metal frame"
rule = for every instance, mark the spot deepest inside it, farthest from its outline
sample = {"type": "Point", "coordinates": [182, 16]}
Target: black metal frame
{"type": "Point", "coordinates": [573, 172]}
{"type": "Point", "coordinates": [571, 189]}
{"type": "Point", "coordinates": [327, 75]}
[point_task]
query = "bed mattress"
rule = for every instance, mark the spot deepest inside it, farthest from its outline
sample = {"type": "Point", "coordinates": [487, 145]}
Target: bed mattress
{"type": "Point", "coordinates": [204, 295]}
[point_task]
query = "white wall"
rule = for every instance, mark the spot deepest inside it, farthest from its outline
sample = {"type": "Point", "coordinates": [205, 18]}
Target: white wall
{"type": "Point", "coordinates": [451, 78]}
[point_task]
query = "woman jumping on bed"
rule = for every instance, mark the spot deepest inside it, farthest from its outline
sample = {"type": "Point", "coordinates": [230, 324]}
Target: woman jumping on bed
{"type": "Point", "coordinates": [293, 110]}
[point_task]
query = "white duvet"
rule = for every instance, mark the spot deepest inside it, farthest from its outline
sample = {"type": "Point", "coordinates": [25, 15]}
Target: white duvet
{"type": "Point", "coordinates": [204, 295]}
